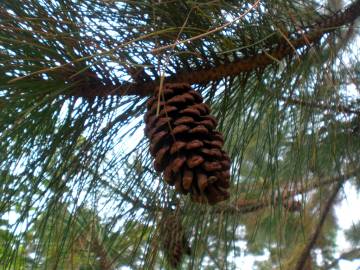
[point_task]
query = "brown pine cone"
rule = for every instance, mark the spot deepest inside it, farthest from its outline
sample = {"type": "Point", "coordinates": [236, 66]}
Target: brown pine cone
{"type": "Point", "coordinates": [184, 143]}
{"type": "Point", "coordinates": [173, 240]}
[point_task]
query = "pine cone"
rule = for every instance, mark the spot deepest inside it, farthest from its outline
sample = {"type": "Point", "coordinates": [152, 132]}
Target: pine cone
{"type": "Point", "coordinates": [173, 240]}
{"type": "Point", "coordinates": [185, 145]}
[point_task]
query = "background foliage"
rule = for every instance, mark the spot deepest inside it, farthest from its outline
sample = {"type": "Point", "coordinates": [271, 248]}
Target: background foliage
{"type": "Point", "coordinates": [77, 188]}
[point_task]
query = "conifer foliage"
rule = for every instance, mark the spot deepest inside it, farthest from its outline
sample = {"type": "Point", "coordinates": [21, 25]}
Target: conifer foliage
{"type": "Point", "coordinates": [185, 145]}
{"type": "Point", "coordinates": [81, 187]}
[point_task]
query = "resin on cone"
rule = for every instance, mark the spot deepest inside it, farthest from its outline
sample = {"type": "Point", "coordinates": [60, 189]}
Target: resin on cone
{"type": "Point", "coordinates": [186, 148]}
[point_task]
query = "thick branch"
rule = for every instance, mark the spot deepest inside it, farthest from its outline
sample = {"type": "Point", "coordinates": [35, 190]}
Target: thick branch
{"type": "Point", "coordinates": [314, 237]}
{"type": "Point", "coordinates": [278, 51]}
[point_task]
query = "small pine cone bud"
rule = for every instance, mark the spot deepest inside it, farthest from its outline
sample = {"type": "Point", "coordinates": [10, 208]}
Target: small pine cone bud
{"type": "Point", "coordinates": [184, 143]}
{"type": "Point", "coordinates": [173, 240]}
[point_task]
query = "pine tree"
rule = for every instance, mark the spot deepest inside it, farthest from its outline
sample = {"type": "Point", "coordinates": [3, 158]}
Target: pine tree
{"type": "Point", "coordinates": [78, 189]}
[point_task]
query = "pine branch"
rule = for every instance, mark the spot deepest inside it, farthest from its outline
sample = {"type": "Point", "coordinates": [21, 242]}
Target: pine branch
{"type": "Point", "coordinates": [349, 255]}
{"type": "Point", "coordinates": [307, 249]}
{"type": "Point", "coordinates": [321, 106]}
{"type": "Point", "coordinates": [247, 206]}
{"type": "Point", "coordinates": [315, 104]}
{"type": "Point", "coordinates": [243, 206]}
{"type": "Point", "coordinates": [278, 51]}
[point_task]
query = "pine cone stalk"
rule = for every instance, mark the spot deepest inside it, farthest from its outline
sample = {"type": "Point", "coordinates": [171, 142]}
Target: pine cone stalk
{"type": "Point", "coordinates": [186, 148]}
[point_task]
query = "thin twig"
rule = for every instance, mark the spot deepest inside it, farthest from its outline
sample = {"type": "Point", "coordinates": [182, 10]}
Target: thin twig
{"type": "Point", "coordinates": [348, 255]}
{"type": "Point", "coordinates": [314, 104]}
{"type": "Point", "coordinates": [214, 30]}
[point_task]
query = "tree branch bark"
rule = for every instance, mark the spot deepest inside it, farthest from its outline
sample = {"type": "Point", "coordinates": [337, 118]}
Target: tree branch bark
{"type": "Point", "coordinates": [314, 237]}
{"type": "Point", "coordinates": [278, 51]}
